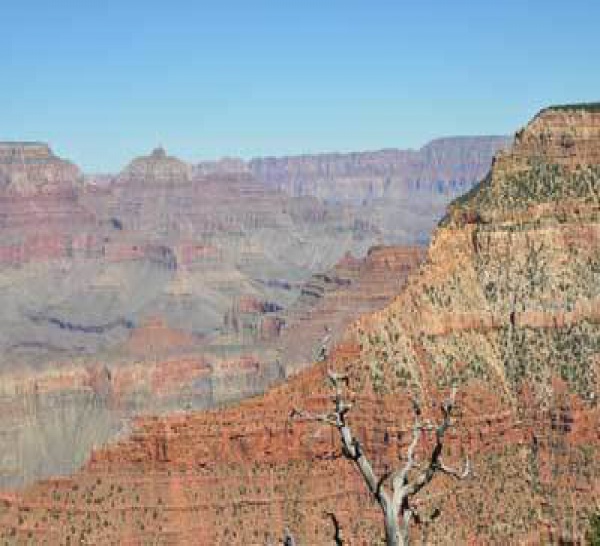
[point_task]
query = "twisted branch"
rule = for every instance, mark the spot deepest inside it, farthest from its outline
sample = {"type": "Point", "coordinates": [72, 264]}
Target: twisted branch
{"type": "Point", "coordinates": [396, 507]}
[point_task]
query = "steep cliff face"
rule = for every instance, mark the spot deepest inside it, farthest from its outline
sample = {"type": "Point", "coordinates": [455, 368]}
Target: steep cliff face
{"type": "Point", "coordinates": [330, 301]}
{"type": "Point", "coordinates": [506, 304]}
{"type": "Point", "coordinates": [398, 192]}
{"type": "Point", "coordinates": [39, 205]}
{"type": "Point", "coordinates": [516, 262]}
{"type": "Point", "coordinates": [444, 166]}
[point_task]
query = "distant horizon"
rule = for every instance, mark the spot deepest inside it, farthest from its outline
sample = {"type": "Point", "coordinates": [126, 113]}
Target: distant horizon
{"type": "Point", "coordinates": [196, 159]}
{"type": "Point", "coordinates": [102, 81]}
{"type": "Point", "coordinates": [199, 160]}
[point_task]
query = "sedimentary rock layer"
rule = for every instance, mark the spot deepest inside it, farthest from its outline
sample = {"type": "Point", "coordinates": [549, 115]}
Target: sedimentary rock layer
{"type": "Point", "coordinates": [446, 165]}
{"type": "Point", "coordinates": [200, 277]}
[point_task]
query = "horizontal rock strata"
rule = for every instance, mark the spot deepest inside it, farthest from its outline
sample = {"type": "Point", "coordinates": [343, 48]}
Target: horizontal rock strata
{"type": "Point", "coordinates": [505, 305]}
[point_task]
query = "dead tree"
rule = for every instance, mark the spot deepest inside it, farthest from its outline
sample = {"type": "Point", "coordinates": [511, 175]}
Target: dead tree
{"type": "Point", "coordinates": [323, 351]}
{"type": "Point", "coordinates": [394, 500]}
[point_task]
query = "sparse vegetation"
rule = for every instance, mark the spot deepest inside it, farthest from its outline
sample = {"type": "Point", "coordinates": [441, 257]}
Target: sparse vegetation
{"type": "Point", "coordinates": [586, 106]}
{"type": "Point", "coordinates": [593, 535]}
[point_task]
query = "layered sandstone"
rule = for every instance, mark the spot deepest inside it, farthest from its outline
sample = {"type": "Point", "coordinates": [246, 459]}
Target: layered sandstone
{"type": "Point", "coordinates": [568, 134]}
{"type": "Point", "coordinates": [226, 165]}
{"type": "Point", "coordinates": [446, 166]}
{"type": "Point", "coordinates": [329, 302]}
{"type": "Point", "coordinates": [506, 305]}
{"type": "Point", "coordinates": [198, 278]}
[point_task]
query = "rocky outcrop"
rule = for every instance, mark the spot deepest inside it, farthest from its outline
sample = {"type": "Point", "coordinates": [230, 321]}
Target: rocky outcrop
{"type": "Point", "coordinates": [30, 167]}
{"type": "Point", "coordinates": [41, 216]}
{"type": "Point", "coordinates": [226, 165]}
{"type": "Point", "coordinates": [505, 305]}
{"type": "Point", "coordinates": [156, 168]}
{"type": "Point", "coordinates": [567, 134]}
{"type": "Point", "coordinates": [329, 302]}
{"type": "Point", "coordinates": [510, 288]}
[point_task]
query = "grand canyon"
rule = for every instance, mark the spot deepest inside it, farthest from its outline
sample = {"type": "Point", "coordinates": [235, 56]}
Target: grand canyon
{"type": "Point", "coordinates": [175, 286]}
{"type": "Point", "coordinates": [161, 326]}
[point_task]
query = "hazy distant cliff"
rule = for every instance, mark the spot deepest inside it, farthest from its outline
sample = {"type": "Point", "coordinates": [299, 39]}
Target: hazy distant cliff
{"type": "Point", "coordinates": [448, 165]}
{"type": "Point", "coordinates": [156, 167]}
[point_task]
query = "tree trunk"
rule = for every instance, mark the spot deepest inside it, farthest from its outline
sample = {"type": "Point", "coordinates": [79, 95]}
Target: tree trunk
{"type": "Point", "coordinates": [393, 535]}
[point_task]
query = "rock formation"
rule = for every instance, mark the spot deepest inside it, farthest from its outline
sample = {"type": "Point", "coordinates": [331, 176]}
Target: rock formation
{"type": "Point", "coordinates": [330, 301]}
{"type": "Point", "coordinates": [198, 278]}
{"type": "Point", "coordinates": [31, 167]}
{"type": "Point", "coordinates": [505, 305]}
{"type": "Point", "coordinates": [157, 167]}
{"type": "Point", "coordinates": [446, 166]}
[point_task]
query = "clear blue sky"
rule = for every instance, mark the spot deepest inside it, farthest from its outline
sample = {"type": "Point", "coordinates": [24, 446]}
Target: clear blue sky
{"type": "Point", "coordinates": [104, 80]}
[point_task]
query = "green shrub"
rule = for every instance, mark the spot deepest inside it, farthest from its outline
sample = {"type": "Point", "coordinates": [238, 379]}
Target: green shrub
{"type": "Point", "coordinates": [593, 535]}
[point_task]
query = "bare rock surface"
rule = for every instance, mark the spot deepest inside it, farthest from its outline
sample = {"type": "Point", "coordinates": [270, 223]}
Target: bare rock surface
{"type": "Point", "coordinates": [158, 167]}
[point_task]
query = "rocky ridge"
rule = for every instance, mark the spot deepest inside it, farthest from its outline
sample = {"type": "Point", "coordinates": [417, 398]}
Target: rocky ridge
{"type": "Point", "coordinates": [443, 166]}
{"type": "Point", "coordinates": [330, 301]}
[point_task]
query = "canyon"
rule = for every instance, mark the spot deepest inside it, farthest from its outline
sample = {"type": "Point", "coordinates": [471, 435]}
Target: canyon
{"type": "Point", "coordinates": [505, 305]}
{"type": "Point", "coordinates": [172, 286]}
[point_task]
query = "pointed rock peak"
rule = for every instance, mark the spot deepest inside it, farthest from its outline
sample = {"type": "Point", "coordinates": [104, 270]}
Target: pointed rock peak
{"type": "Point", "coordinates": [159, 153]}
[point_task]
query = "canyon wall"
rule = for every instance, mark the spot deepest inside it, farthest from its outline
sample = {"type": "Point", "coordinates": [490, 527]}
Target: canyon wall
{"type": "Point", "coordinates": [185, 285]}
{"type": "Point", "coordinates": [443, 166]}
{"type": "Point", "coordinates": [505, 306]}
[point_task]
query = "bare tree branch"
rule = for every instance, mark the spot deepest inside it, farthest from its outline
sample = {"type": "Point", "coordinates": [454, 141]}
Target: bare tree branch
{"type": "Point", "coordinates": [397, 510]}
{"type": "Point", "coordinates": [435, 463]}
{"type": "Point", "coordinates": [401, 477]}
{"type": "Point", "coordinates": [328, 419]}
{"type": "Point", "coordinates": [462, 475]}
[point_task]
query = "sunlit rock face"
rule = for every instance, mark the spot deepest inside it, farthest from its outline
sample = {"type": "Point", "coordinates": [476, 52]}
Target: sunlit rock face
{"type": "Point", "coordinates": [505, 305]}
{"type": "Point", "coordinates": [331, 301]}
{"type": "Point", "coordinates": [169, 287]}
